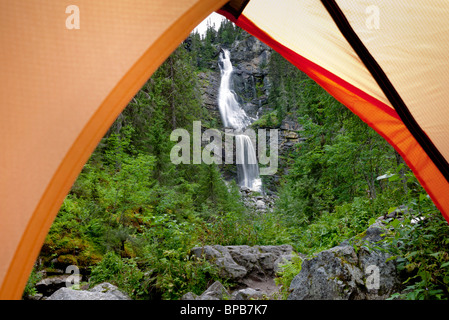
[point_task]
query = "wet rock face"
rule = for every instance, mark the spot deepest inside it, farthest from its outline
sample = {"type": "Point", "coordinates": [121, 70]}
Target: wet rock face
{"type": "Point", "coordinates": [250, 59]}
{"type": "Point", "coordinates": [249, 79]}
{"type": "Point", "coordinates": [251, 84]}
{"type": "Point", "coordinates": [209, 83]}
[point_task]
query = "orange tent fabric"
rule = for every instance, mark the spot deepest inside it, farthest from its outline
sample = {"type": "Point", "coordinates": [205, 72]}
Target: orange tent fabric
{"type": "Point", "coordinates": [61, 90]}
{"type": "Point", "coordinates": [63, 84]}
{"type": "Point", "coordinates": [378, 115]}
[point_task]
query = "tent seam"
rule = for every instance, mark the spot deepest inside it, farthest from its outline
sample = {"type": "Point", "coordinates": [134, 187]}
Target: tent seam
{"type": "Point", "coordinates": [386, 86]}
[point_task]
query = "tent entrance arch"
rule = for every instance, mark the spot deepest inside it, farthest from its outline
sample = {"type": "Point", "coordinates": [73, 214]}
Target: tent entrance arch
{"type": "Point", "coordinates": [78, 80]}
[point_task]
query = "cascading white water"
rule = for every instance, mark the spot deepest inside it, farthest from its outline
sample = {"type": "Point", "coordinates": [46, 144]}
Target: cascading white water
{"type": "Point", "coordinates": [233, 116]}
{"type": "Point", "coordinates": [247, 167]}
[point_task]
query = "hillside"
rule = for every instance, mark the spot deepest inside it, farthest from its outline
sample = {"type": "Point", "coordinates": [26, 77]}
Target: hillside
{"type": "Point", "coordinates": [133, 217]}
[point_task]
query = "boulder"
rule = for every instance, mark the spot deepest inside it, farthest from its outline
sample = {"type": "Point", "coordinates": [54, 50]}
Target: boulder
{"type": "Point", "coordinates": [215, 292]}
{"type": "Point", "coordinates": [252, 268]}
{"type": "Point", "coordinates": [344, 273]}
{"type": "Point", "coordinates": [381, 276]}
{"type": "Point", "coordinates": [260, 205]}
{"type": "Point", "coordinates": [102, 291]}
{"type": "Point", "coordinates": [331, 275]}
{"type": "Point", "coordinates": [248, 294]}
{"type": "Point", "coordinates": [238, 262]}
{"type": "Point", "coordinates": [189, 296]}
{"type": "Point", "coordinates": [221, 257]}
{"type": "Point", "coordinates": [245, 190]}
{"type": "Point", "coordinates": [218, 292]}
{"type": "Point", "coordinates": [245, 256]}
{"type": "Point", "coordinates": [49, 285]}
{"type": "Point", "coordinates": [272, 256]}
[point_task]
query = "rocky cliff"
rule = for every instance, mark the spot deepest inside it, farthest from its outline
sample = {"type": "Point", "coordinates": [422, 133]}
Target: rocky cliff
{"type": "Point", "coordinates": [251, 84]}
{"type": "Point", "coordinates": [250, 79]}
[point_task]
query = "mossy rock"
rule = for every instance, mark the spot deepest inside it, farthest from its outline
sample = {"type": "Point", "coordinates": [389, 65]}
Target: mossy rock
{"type": "Point", "coordinates": [67, 259]}
{"type": "Point", "coordinates": [62, 251]}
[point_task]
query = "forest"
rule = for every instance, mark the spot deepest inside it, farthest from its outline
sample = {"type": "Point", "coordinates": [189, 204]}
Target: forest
{"type": "Point", "coordinates": [132, 216]}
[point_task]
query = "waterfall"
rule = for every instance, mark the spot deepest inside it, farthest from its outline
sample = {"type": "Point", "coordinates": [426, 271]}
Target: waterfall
{"type": "Point", "coordinates": [233, 116]}
{"type": "Point", "coordinates": [247, 167]}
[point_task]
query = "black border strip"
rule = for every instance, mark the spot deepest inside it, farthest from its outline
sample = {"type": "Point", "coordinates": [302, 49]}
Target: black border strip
{"type": "Point", "coordinates": [386, 86]}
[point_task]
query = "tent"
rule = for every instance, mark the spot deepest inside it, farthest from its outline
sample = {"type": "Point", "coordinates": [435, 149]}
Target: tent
{"type": "Point", "coordinates": [68, 68]}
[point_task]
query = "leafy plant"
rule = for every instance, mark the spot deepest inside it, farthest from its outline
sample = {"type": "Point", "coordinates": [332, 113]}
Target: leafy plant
{"type": "Point", "coordinates": [122, 272]}
{"type": "Point", "coordinates": [421, 242]}
{"type": "Point", "coordinates": [288, 271]}
{"type": "Point", "coordinates": [30, 289]}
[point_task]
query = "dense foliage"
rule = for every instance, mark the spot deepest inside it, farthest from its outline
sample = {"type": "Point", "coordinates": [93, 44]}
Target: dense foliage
{"type": "Point", "coordinates": [344, 176]}
{"type": "Point", "coordinates": [132, 215]}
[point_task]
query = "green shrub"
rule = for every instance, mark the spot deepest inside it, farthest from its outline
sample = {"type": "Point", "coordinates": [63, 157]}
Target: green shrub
{"type": "Point", "coordinates": [289, 270]}
{"type": "Point", "coordinates": [421, 241]}
{"type": "Point", "coordinates": [123, 273]}
{"type": "Point", "coordinates": [30, 289]}
{"type": "Point", "coordinates": [174, 272]}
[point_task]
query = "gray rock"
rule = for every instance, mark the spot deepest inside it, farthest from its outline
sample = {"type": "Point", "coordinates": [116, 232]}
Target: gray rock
{"type": "Point", "coordinates": [245, 256]}
{"type": "Point", "coordinates": [252, 267]}
{"type": "Point", "coordinates": [37, 296]}
{"type": "Point", "coordinates": [248, 294]}
{"type": "Point", "coordinates": [189, 296]}
{"type": "Point", "coordinates": [381, 277]}
{"type": "Point", "coordinates": [249, 80]}
{"type": "Point", "coordinates": [215, 292]}
{"type": "Point", "coordinates": [273, 256]}
{"type": "Point", "coordinates": [341, 273]}
{"type": "Point", "coordinates": [109, 289]}
{"type": "Point", "coordinates": [218, 292]}
{"type": "Point", "coordinates": [260, 205]}
{"type": "Point", "coordinates": [240, 262]}
{"type": "Point", "coordinates": [103, 291]}
{"type": "Point", "coordinates": [374, 234]}
{"type": "Point", "coordinates": [221, 257]}
{"type": "Point", "coordinates": [49, 285]}
{"type": "Point", "coordinates": [331, 275]}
